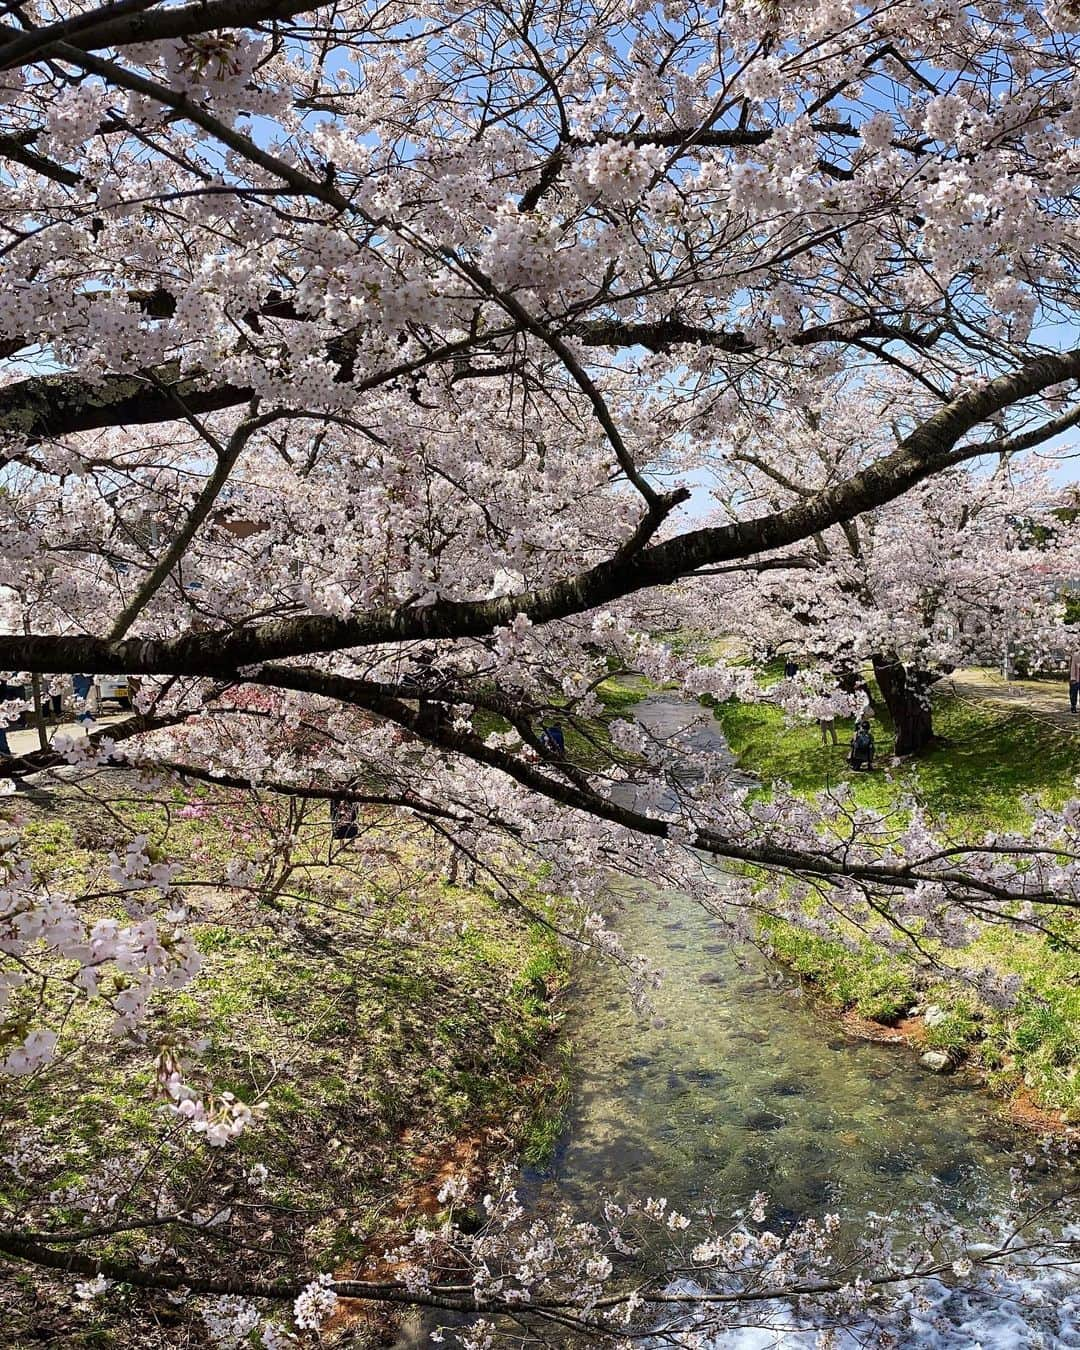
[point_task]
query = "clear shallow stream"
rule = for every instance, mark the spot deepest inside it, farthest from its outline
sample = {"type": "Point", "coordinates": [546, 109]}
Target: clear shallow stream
{"type": "Point", "coordinates": [740, 1085]}
{"type": "Point", "coordinates": [746, 1087]}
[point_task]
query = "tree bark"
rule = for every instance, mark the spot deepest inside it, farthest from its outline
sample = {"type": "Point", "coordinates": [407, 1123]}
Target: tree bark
{"type": "Point", "coordinates": [906, 691]}
{"type": "Point", "coordinates": [39, 712]}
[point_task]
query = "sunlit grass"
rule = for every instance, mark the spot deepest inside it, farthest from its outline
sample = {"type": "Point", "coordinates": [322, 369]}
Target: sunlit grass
{"type": "Point", "coordinates": [987, 770]}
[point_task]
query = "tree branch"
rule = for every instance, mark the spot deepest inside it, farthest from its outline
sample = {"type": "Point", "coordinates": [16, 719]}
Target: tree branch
{"type": "Point", "coordinates": [932, 446]}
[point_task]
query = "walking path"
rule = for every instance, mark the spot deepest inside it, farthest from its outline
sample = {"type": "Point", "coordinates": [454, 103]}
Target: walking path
{"type": "Point", "coordinates": [1044, 700]}
{"type": "Point", "coordinates": [25, 740]}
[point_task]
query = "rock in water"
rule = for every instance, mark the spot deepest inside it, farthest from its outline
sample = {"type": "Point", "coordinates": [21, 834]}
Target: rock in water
{"type": "Point", "coordinates": [936, 1060]}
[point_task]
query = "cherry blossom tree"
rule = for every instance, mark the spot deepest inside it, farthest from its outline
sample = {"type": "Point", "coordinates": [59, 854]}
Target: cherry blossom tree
{"type": "Point", "coordinates": [358, 360]}
{"type": "Point", "coordinates": [968, 564]}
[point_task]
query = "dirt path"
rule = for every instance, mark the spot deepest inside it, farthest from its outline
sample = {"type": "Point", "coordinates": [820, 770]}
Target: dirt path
{"type": "Point", "coordinates": [1044, 700]}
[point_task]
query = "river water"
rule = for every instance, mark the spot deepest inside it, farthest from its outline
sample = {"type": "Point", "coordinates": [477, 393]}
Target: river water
{"type": "Point", "coordinates": [736, 1083]}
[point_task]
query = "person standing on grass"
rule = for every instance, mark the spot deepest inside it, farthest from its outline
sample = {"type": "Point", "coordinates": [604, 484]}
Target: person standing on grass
{"type": "Point", "coordinates": [862, 746]}
{"type": "Point", "coordinates": [343, 819]}
{"type": "Point", "coordinates": [790, 669]}
{"type": "Point", "coordinates": [1074, 678]}
{"type": "Point", "coordinates": [828, 728]}
{"type": "Point", "coordinates": [551, 738]}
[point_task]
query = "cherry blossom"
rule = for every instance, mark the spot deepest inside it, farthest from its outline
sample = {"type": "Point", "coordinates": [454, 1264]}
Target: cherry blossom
{"type": "Point", "coordinates": [364, 367]}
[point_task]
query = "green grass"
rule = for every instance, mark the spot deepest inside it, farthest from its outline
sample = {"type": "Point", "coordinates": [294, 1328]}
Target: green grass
{"type": "Point", "coordinates": [989, 767]}
{"type": "Point", "coordinates": [989, 762]}
{"type": "Point", "coordinates": [548, 1120]}
{"type": "Point", "coordinates": [877, 986]}
{"type": "Point", "coordinates": [374, 1055]}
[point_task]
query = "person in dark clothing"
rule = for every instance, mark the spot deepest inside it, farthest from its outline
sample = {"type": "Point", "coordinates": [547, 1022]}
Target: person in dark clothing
{"type": "Point", "coordinates": [551, 738]}
{"type": "Point", "coordinates": [52, 705]}
{"type": "Point", "coordinates": [82, 684]}
{"type": "Point", "coordinates": [790, 669]}
{"type": "Point", "coordinates": [343, 820]}
{"type": "Point", "coordinates": [862, 746]}
{"type": "Point", "coordinates": [431, 715]}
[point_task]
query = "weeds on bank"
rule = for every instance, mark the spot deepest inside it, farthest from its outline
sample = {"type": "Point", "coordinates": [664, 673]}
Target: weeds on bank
{"type": "Point", "coordinates": [982, 775]}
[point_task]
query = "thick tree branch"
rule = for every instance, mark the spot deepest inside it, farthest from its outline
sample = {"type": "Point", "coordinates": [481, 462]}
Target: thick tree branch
{"type": "Point", "coordinates": [932, 446]}
{"type": "Point", "coordinates": [457, 1297]}
{"type": "Point", "coordinates": [24, 766]}
{"type": "Point", "coordinates": [52, 406]}
{"type": "Point", "coordinates": [130, 21]}
{"type": "Point", "coordinates": [662, 334]}
{"type": "Point", "coordinates": [579, 795]}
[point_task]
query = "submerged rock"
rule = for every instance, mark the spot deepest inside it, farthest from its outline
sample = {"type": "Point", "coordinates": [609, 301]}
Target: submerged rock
{"type": "Point", "coordinates": [952, 1173]}
{"type": "Point", "coordinates": [937, 1061]}
{"type": "Point", "coordinates": [764, 1120]}
{"type": "Point", "coordinates": [889, 1164]}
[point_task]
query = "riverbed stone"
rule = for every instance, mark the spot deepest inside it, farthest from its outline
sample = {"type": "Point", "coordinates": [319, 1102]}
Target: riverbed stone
{"type": "Point", "coordinates": [952, 1173]}
{"type": "Point", "coordinates": [814, 1191]}
{"type": "Point", "coordinates": [889, 1164]}
{"type": "Point", "coordinates": [934, 1015]}
{"type": "Point", "coordinates": [765, 1120]}
{"type": "Point", "coordinates": [937, 1061]}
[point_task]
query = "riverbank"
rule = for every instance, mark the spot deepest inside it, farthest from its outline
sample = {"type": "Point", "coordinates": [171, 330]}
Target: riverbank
{"type": "Point", "coordinates": [984, 775]}
{"type": "Point", "coordinates": [390, 1026]}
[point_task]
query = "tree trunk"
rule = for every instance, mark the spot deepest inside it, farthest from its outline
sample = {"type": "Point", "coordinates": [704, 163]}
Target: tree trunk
{"type": "Point", "coordinates": [849, 677]}
{"type": "Point", "coordinates": [39, 711]}
{"type": "Point", "coordinates": [907, 697]}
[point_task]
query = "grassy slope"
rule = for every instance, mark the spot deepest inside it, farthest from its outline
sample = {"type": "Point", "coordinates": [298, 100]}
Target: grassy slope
{"type": "Point", "coordinates": [376, 1056]}
{"type": "Point", "coordinates": [978, 780]}
{"type": "Point", "coordinates": [586, 738]}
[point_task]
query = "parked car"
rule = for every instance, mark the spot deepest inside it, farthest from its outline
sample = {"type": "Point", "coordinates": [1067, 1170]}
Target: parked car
{"type": "Point", "coordinates": [113, 689]}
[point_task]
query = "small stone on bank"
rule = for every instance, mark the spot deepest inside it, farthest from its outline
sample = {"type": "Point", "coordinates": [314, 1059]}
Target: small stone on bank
{"type": "Point", "coordinates": [937, 1061]}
